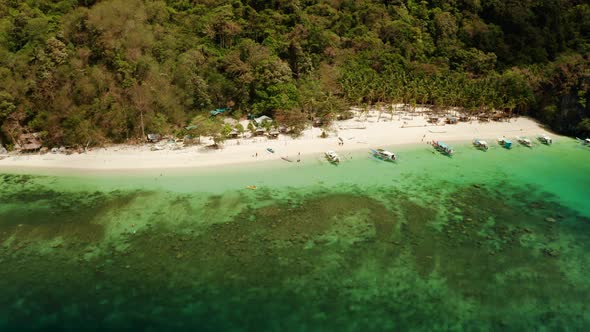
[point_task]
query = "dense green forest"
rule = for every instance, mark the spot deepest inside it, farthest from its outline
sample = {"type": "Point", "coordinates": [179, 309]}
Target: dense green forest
{"type": "Point", "coordinates": [92, 72]}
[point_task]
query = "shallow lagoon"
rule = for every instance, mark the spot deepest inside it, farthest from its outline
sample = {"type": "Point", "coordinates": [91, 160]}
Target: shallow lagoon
{"type": "Point", "coordinates": [480, 241]}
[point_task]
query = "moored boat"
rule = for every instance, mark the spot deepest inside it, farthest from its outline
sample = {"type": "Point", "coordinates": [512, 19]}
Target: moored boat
{"type": "Point", "coordinates": [504, 142]}
{"type": "Point", "coordinates": [332, 157]}
{"type": "Point", "coordinates": [481, 144]}
{"type": "Point", "coordinates": [545, 139]}
{"type": "Point", "coordinates": [383, 155]}
{"type": "Point", "coordinates": [584, 141]}
{"type": "Point", "coordinates": [524, 141]}
{"type": "Point", "coordinates": [442, 148]}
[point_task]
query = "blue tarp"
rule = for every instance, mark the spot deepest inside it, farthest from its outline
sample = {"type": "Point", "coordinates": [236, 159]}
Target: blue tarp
{"type": "Point", "coordinates": [218, 111]}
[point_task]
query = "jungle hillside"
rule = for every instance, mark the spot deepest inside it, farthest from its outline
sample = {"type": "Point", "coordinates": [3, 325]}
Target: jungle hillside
{"type": "Point", "coordinates": [87, 72]}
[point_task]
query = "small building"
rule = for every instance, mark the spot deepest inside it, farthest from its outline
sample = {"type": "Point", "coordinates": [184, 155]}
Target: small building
{"type": "Point", "coordinates": [261, 119]}
{"type": "Point", "coordinates": [498, 116]}
{"type": "Point", "coordinates": [259, 132]}
{"type": "Point", "coordinates": [318, 122]}
{"type": "Point", "coordinates": [154, 138]}
{"type": "Point", "coordinates": [451, 120]}
{"type": "Point", "coordinates": [273, 134]}
{"type": "Point", "coordinates": [433, 119]}
{"type": "Point", "coordinates": [284, 129]}
{"type": "Point", "coordinates": [233, 134]}
{"type": "Point", "coordinates": [464, 118]}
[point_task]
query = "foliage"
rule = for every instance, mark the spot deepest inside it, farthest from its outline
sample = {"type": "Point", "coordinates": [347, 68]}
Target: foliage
{"type": "Point", "coordinates": [90, 72]}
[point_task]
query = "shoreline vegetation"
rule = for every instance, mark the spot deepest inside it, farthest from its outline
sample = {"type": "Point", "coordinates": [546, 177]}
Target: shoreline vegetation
{"type": "Point", "coordinates": [84, 74]}
{"type": "Point", "coordinates": [366, 129]}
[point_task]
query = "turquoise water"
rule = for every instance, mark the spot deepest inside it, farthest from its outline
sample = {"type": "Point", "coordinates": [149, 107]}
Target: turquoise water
{"type": "Point", "coordinates": [495, 240]}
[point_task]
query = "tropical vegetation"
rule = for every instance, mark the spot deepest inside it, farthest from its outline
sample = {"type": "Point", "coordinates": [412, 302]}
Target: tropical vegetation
{"type": "Point", "coordinates": [88, 72]}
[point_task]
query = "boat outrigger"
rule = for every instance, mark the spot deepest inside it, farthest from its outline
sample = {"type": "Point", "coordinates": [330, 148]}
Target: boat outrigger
{"type": "Point", "coordinates": [504, 142]}
{"type": "Point", "coordinates": [332, 157]}
{"type": "Point", "coordinates": [524, 141]}
{"type": "Point", "coordinates": [481, 144]}
{"type": "Point", "coordinates": [383, 155]}
{"type": "Point", "coordinates": [443, 148]}
{"type": "Point", "coordinates": [545, 139]}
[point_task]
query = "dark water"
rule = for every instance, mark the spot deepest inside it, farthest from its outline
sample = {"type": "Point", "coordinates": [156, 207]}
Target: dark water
{"type": "Point", "coordinates": [483, 241]}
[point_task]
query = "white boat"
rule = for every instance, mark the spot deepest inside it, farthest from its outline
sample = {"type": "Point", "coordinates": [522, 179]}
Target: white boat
{"type": "Point", "coordinates": [332, 157]}
{"type": "Point", "coordinates": [545, 139]}
{"type": "Point", "coordinates": [584, 141]}
{"type": "Point", "coordinates": [481, 144]}
{"type": "Point", "coordinates": [443, 148]}
{"type": "Point", "coordinates": [383, 155]}
{"type": "Point", "coordinates": [524, 141]}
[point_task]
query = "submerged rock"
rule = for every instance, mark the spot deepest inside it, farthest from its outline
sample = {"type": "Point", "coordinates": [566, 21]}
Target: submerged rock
{"type": "Point", "coordinates": [551, 252]}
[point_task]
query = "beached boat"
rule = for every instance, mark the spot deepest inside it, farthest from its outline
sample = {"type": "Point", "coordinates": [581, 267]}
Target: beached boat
{"type": "Point", "coordinates": [545, 139]}
{"type": "Point", "coordinates": [270, 150]}
{"type": "Point", "coordinates": [481, 144]}
{"type": "Point", "coordinates": [584, 141]}
{"type": "Point", "coordinates": [383, 155]}
{"type": "Point", "coordinates": [332, 157]}
{"type": "Point", "coordinates": [443, 148]}
{"type": "Point", "coordinates": [524, 141]}
{"type": "Point", "coordinates": [504, 142]}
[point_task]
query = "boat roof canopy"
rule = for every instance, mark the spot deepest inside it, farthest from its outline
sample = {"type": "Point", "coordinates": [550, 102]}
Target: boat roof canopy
{"type": "Point", "coordinates": [443, 145]}
{"type": "Point", "coordinates": [385, 152]}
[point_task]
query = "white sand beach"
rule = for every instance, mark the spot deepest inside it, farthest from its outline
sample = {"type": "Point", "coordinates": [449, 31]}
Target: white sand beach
{"type": "Point", "coordinates": [364, 132]}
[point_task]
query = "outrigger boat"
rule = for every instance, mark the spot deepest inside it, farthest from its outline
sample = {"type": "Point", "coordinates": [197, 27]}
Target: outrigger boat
{"type": "Point", "coordinates": [383, 155]}
{"type": "Point", "coordinates": [584, 141]}
{"type": "Point", "coordinates": [332, 157]}
{"type": "Point", "coordinates": [481, 144]}
{"type": "Point", "coordinates": [443, 148]}
{"type": "Point", "coordinates": [545, 139]}
{"type": "Point", "coordinates": [504, 142]}
{"type": "Point", "coordinates": [524, 141]}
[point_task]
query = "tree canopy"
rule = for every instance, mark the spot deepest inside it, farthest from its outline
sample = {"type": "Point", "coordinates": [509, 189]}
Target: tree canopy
{"type": "Point", "coordinates": [92, 72]}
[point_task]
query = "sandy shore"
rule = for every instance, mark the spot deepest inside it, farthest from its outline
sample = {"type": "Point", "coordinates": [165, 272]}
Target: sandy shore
{"type": "Point", "coordinates": [359, 133]}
